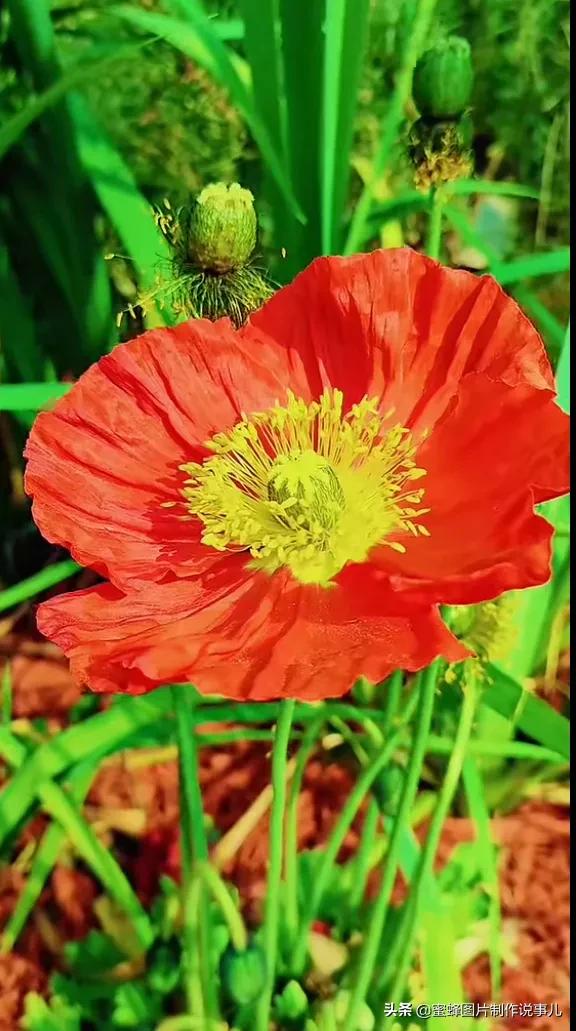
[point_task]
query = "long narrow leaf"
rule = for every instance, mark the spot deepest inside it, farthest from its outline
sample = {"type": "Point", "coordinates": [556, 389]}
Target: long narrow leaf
{"type": "Point", "coordinates": [95, 737]}
{"type": "Point", "coordinates": [550, 263]}
{"type": "Point", "coordinates": [466, 187]}
{"type": "Point", "coordinates": [17, 397]}
{"type": "Point", "coordinates": [66, 811]}
{"type": "Point", "coordinates": [263, 49]}
{"type": "Point", "coordinates": [346, 34]}
{"type": "Point", "coordinates": [197, 39]}
{"type": "Point", "coordinates": [533, 716]}
{"type": "Point", "coordinates": [17, 331]}
{"type": "Point", "coordinates": [34, 585]}
{"type": "Point", "coordinates": [121, 198]}
{"type": "Point", "coordinates": [44, 861]}
{"type": "Point", "coordinates": [302, 48]}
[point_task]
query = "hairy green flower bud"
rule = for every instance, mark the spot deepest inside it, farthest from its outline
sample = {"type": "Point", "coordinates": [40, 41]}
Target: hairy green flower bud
{"type": "Point", "coordinates": [243, 974]}
{"type": "Point", "coordinates": [222, 228]}
{"type": "Point", "coordinates": [291, 1004]}
{"type": "Point", "coordinates": [443, 79]}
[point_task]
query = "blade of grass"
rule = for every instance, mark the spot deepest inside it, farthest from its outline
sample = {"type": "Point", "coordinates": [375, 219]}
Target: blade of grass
{"type": "Point", "coordinates": [415, 41]}
{"type": "Point", "coordinates": [62, 808]}
{"type": "Point", "coordinates": [36, 584]}
{"type": "Point", "coordinates": [17, 331]}
{"type": "Point", "coordinates": [396, 208]}
{"type": "Point", "coordinates": [16, 397]}
{"type": "Point", "coordinates": [44, 861]}
{"type": "Point", "coordinates": [466, 187]}
{"type": "Point", "coordinates": [302, 49]}
{"type": "Point", "coordinates": [345, 37]}
{"type": "Point", "coordinates": [534, 717]}
{"type": "Point", "coordinates": [550, 263]}
{"type": "Point", "coordinates": [97, 736]}
{"type": "Point", "coordinates": [263, 49]}
{"type": "Point", "coordinates": [120, 197]}
{"type": "Point", "coordinates": [424, 692]}
{"type": "Point", "coordinates": [6, 695]}
{"type": "Point", "coordinates": [64, 205]}
{"type": "Point", "coordinates": [197, 39]}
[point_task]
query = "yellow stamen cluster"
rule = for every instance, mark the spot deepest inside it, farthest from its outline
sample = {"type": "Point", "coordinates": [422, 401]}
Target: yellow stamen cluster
{"type": "Point", "coordinates": [308, 487]}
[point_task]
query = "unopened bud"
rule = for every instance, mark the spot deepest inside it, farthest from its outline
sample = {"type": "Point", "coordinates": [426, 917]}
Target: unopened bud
{"type": "Point", "coordinates": [222, 228]}
{"type": "Point", "coordinates": [443, 79]}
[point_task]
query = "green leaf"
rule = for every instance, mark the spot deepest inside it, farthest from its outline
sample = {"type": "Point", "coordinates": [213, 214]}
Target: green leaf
{"type": "Point", "coordinates": [466, 187]}
{"type": "Point", "coordinates": [34, 585]}
{"type": "Point", "coordinates": [263, 49]}
{"type": "Point", "coordinates": [96, 737]}
{"type": "Point", "coordinates": [396, 208]}
{"type": "Point", "coordinates": [55, 1015]}
{"type": "Point", "coordinates": [532, 716]}
{"type": "Point", "coordinates": [16, 397]}
{"type": "Point", "coordinates": [198, 39]}
{"type": "Point", "coordinates": [64, 809]}
{"type": "Point", "coordinates": [93, 955]}
{"type": "Point", "coordinates": [127, 208]}
{"type": "Point", "coordinates": [302, 48]}
{"type": "Point", "coordinates": [6, 695]}
{"type": "Point", "coordinates": [59, 213]}
{"type": "Point", "coordinates": [44, 860]}
{"type": "Point", "coordinates": [345, 37]}
{"type": "Point", "coordinates": [549, 264]}
{"type": "Point", "coordinates": [17, 331]}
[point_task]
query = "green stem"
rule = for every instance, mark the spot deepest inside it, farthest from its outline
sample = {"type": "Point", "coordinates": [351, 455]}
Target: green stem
{"type": "Point", "coordinates": [272, 914]}
{"type": "Point", "coordinates": [194, 849]}
{"type": "Point", "coordinates": [221, 895]}
{"type": "Point", "coordinates": [353, 803]}
{"type": "Point", "coordinates": [434, 244]}
{"type": "Point", "coordinates": [400, 955]}
{"type": "Point", "coordinates": [291, 849]}
{"type": "Point", "coordinates": [369, 952]}
{"type": "Point", "coordinates": [415, 41]}
{"type": "Point", "coordinates": [362, 859]}
{"type": "Point", "coordinates": [393, 699]}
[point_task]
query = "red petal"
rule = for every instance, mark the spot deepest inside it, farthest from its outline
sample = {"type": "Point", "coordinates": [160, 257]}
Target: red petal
{"type": "Point", "coordinates": [498, 449]}
{"type": "Point", "coordinates": [397, 325]}
{"type": "Point", "coordinates": [245, 636]}
{"type": "Point", "coordinates": [102, 463]}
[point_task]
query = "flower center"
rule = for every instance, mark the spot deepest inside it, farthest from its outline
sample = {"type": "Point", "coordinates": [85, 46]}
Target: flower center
{"type": "Point", "coordinates": [308, 487]}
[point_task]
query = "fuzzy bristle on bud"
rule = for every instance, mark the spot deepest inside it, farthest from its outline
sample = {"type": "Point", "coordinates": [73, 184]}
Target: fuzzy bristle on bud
{"type": "Point", "coordinates": [221, 233]}
{"type": "Point", "coordinates": [440, 151]}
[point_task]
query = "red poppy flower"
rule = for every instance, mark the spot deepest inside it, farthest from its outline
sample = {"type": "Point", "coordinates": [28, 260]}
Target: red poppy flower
{"type": "Point", "coordinates": [281, 508]}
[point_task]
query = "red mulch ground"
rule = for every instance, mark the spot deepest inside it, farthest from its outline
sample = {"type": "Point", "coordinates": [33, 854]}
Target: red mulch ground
{"type": "Point", "coordinates": [534, 869]}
